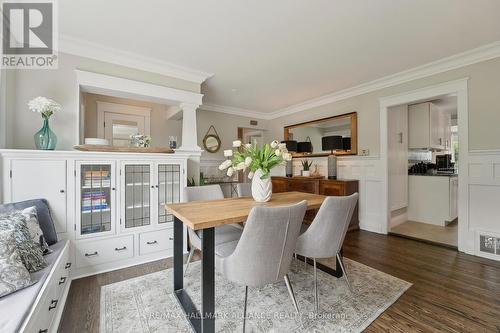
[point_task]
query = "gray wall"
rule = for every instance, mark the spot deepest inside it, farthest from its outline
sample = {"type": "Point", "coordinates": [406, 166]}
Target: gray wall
{"type": "Point", "coordinates": [60, 85]}
{"type": "Point", "coordinates": [484, 107]}
{"type": "Point", "coordinates": [227, 127]}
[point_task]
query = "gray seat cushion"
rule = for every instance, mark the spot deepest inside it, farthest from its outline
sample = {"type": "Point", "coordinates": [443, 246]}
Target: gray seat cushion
{"type": "Point", "coordinates": [223, 234]}
{"type": "Point", "coordinates": [15, 307]}
{"type": "Point", "coordinates": [43, 213]}
{"type": "Point", "coordinates": [225, 249]}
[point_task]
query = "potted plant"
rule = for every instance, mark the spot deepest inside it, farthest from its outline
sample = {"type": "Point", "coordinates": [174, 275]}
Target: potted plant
{"type": "Point", "coordinates": [306, 165]}
{"type": "Point", "coordinates": [45, 139]}
{"type": "Point", "coordinates": [259, 162]}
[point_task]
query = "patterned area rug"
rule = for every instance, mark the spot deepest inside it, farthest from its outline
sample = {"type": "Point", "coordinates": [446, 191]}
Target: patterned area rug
{"type": "Point", "coordinates": [146, 303]}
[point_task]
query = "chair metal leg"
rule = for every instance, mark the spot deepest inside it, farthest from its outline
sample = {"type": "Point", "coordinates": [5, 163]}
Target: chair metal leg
{"type": "Point", "coordinates": [339, 258]}
{"type": "Point", "coordinates": [316, 300]}
{"type": "Point", "coordinates": [245, 308]}
{"type": "Point", "coordinates": [190, 256]}
{"type": "Point", "coordinates": [292, 295]}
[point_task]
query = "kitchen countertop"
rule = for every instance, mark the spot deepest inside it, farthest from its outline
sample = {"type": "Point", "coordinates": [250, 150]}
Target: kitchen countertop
{"type": "Point", "coordinates": [434, 175]}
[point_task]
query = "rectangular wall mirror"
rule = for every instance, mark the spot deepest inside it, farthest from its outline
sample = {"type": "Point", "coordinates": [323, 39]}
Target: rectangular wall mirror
{"type": "Point", "coordinates": [324, 136]}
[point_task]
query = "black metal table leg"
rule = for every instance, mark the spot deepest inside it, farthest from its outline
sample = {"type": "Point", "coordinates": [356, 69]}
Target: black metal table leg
{"type": "Point", "coordinates": [178, 255]}
{"type": "Point", "coordinates": [337, 272]}
{"type": "Point", "coordinates": [208, 280]}
{"type": "Point", "coordinates": [204, 320]}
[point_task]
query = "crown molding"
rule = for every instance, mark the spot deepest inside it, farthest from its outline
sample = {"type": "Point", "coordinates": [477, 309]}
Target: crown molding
{"type": "Point", "coordinates": [236, 111]}
{"type": "Point", "coordinates": [482, 53]}
{"type": "Point", "coordinates": [83, 48]}
{"type": "Point", "coordinates": [470, 57]}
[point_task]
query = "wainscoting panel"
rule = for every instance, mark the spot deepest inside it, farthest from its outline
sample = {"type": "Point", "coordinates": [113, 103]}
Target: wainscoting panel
{"type": "Point", "coordinates": [483, 192]}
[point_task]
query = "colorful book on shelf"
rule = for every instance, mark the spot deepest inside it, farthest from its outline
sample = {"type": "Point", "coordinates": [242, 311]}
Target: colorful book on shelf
{"type": "Point", "coordinates": [94, 195]}
{"type": "Point", "coordinates": [96, 174]}
{"type": "Point", "coordinates": [94, 208]}
{"type": "Point", "coordinates": [97, 183]}
{"type": "Point", "coordinates": [88, 203]}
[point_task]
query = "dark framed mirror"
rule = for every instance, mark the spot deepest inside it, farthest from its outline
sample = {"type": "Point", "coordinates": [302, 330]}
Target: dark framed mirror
{"type": "Point", "coordinates": [312, 136]}
{"type": "Point", "coordinates": [211, 143]}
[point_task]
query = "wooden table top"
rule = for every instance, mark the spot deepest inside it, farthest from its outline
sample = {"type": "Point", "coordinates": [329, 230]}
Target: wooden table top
{"type": "Point", "coordinates": [207, 214]}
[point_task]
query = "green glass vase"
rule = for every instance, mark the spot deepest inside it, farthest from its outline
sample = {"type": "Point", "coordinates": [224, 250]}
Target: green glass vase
{"type": "Point", "coordinates": [45, 139]}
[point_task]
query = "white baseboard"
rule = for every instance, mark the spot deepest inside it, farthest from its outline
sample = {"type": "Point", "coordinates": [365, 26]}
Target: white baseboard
{"type": "Point", "coordinates": [398, 219]}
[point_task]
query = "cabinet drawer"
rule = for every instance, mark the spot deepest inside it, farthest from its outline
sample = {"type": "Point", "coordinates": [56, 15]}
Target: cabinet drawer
{"type": "Point", "coordinates": [155, 241]}
{"type": "Point", "coordinates": [61, 277]}
{"type": "Point", "coordinates": [301, 185]}
{"type": "Point", "coordinates": [44, 313]}
{"type": "Point", "coordinates": [104, 250]}
{"type": "Point", "coordinates": [331, 189]}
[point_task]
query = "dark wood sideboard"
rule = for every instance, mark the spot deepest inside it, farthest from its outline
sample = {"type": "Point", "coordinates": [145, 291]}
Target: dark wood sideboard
{"type": "Point", "coordinates": [319, 185]}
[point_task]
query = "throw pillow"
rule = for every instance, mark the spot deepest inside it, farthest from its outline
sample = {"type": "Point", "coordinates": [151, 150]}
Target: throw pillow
{"type": "Point", "coordinates": [34, 228]}
{"type": "Point", "coordinates": [43, 212]}
{"type": "Point", "coordinates": [13, 274]}
{"type": "Point", "coordinates": [31, 254]}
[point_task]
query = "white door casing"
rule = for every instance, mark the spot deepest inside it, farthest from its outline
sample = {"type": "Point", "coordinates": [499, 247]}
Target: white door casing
{"type": "Point", "coordinates": [459, 88]}
{"type": "Point", "coordinates": [109, 113]}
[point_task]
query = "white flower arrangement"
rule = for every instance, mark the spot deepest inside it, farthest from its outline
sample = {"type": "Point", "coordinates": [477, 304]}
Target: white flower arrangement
{"type": "Point", "coordinates": [45, 106]}
{"type": "Point", "coordinates": [250, 157]}
{"type": "Point", "coordinates": [139, 140]}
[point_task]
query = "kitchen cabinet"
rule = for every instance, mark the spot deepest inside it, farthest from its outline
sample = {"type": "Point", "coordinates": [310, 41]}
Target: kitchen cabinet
{"type": "Point", "coordinates": [433, 199]}
{"type": "Point", "coordinates": [398, 157]}
{"type": "Point", "coordinates": [429, 127]}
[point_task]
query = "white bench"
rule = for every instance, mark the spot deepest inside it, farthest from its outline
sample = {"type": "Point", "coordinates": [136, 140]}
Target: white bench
{"type": "Point", "coordinates": [38, 308]}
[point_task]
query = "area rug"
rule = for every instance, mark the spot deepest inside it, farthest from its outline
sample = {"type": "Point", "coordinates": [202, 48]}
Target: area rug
{"type": "Point", "coordinates": [146, 303]}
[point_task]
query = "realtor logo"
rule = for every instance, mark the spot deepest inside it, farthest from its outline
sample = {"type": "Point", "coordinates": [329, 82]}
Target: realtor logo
{"type": "Point", "coordinates": [29, 37]}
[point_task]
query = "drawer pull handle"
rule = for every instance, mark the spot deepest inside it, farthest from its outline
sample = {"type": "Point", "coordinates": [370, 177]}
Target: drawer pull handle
{"type": "Point", "coordinates": [43, 331]}
{"type": "Point", "coordinates": [120, 248]}
{"type": "Point", "coordinates": [62, 280]}
{"type": "Point", "coordinates": [151, 243]}
{"type": "Point", "coordinates": [91, 254]}
{"type": "Point", "coordinates": [171, 238]}
{"type": "Point", "coordinates": [68, 265]}
{"type": "Point", "coordinates": [53, 304]}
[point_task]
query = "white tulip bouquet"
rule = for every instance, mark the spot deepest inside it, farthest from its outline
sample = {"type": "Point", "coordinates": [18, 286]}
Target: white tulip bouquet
{"type": "Point", "coordinates": [249, 156]}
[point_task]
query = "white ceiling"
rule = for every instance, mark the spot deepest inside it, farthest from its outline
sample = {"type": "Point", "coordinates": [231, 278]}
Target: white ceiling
{"type": "Point", "coordinates": [267, 55]}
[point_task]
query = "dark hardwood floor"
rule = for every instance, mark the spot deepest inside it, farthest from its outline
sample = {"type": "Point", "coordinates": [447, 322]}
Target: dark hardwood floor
{"type": "Point", "coordinates": [451, 292]}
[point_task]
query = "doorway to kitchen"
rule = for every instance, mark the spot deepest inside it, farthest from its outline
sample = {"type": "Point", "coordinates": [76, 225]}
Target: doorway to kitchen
{"type": "Point", "coordinates": [424, 144]}
{"type": "Point", "coordinates": [423, 173]}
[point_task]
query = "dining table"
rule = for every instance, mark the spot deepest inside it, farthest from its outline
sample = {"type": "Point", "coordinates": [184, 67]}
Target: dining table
{"type": "Point", "coordinates": [203, 217]}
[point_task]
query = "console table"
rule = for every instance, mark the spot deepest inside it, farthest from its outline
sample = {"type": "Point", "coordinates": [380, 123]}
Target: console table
{"type": "Point", "coordinates": [319, 185]}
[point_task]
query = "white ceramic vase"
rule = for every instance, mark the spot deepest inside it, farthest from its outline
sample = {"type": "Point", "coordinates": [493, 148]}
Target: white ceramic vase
{"type": "Point", "coordinates": [306, 173]}
{"type": "Point", "coordinates": [262, 189]}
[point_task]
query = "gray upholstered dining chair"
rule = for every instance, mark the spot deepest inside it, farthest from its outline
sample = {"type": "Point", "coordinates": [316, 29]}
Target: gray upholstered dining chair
{"type": "Point", "coordinates": [325, 235]}
{"type": "Point", "coordinates": [223, 234]}
{"type": "Point", "coordinates": [264, 252]}
{"type": "Point", "coordinates": [244, 190]}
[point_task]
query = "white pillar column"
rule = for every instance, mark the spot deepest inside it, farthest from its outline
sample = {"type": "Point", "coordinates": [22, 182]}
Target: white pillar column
{"type": "Point", "coordinates": [189, 130]}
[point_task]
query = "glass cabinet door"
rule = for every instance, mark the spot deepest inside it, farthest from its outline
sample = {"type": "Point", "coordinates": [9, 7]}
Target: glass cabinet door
{"type": "Point", "coordinates": [169, 189]}
{"type": "Point", "coordinates": [137, 201]}
{"type": "Point", "coordinates": [96, 198]}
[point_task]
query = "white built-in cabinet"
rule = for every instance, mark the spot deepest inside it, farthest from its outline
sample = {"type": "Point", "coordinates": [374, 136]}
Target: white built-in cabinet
{"type": "Point", "coordinates": [429, 127]}
{"type": "Point", "coordinates": [32, 178]}
{"type": "Point", "coordinates": [110, 205]}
